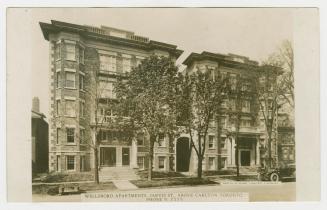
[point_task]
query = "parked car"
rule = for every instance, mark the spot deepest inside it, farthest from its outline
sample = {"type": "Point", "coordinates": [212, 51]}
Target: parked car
{"type": "Point", "coordinates": [277, 174]}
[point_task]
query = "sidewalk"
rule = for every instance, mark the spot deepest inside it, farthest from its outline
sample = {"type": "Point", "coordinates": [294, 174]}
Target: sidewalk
{"type": "Point", "coordinates": [124, 185]}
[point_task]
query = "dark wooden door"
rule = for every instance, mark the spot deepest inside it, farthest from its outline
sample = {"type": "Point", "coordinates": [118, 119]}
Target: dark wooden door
{"type": "Point", "coordinates": [108, 156]}
{"type": "Point", "coordinates": [183, 154]}
{"type": "Point", "coordinates": [245, 158]}
{"type": "Point", "coordinates": [125, 156]}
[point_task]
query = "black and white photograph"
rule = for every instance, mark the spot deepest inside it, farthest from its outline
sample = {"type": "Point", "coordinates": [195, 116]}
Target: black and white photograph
{"type": "Point", "coordinates": [161, 104]}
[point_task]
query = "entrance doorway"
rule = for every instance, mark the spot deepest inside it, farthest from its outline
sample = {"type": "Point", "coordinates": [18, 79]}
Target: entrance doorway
{"type": "Point", "coordinates": [108, 156]}
{"type": "Point", "coordinates": [245, 158]}
{"type": "Point", "coordinates": [183, 152]}
{"type": "Point", "coordinates": [125, 156]}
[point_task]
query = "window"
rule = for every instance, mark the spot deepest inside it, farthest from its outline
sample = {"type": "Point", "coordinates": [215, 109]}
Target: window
{"type": "Point", "coordinates": [58, 107]}
{"type": "Point", "coordinates": [224, 103]}
{"type": "Point", "coordinates": [70, 52]}
{"type": "Point", "coordinates": [70, 162]}
{"type": "Point", "coordinates": [58, 79]}
{"type": "Point", "coordinates": [138, 61]}
{"type": "Point", "coordinates": [70, 108]}
{"type": "Point", "coordinates": [81, 55]}
{"type": "Point", "coordinates": [82, 163]}
{"type": "Point", "coordinates": [70, 135]}
{"type": "Point", "coordinates": [106, 89]}
{"type": "Point", "coordinates": [140, 162]}
{"type": "Point", "coordinates": [246, 123]}
{"type": "Point", "coordinates": [57, 52]}
{"type": "Point", "coordinates": [292, 154]}
{"type": "Point", "coordinates": [211, 163]}
{"type": "Point", "coordinates": [232, 104]}
{"type": "Point", "coordinates": [223, 143]}
{"type": "Point", "coordinates": [246, 106]}
{"type": "Point", "coordinates": [288, 153]}
{"type": "Point", "coordinates": [140, 139]}
{"type": "Point", "coordinates": [58, 132]}
{"type": "Point", "coordinates": [70, 80]}
{"type": "Point", "coordinates": [81, 82]}
{"type": "Point", "coordinates": [161, 140]}
{"type": "Point", "coordinates": [82, 136]}
{"type": "Point", "coordinates": [223, 162]}
{"type": "Point", "coordinates": [126, 65]}
{"type": "Point", "coordinates": [233, 81]}
{"type": "Point", "coordinates": [162, 162]}
{"type": "Point", "coordinates": [108, 63]}
{"type": "Point", "coordinates": [58, 163]}
{"type": "Point", "coordinates": [223, 122]}
{"type": "Point", "coordinates": [211, 142]}
{"type": "Point", "coordinates": [203, 163]}
{"type": "Point", "coordinates": [246, 87]}
{"type": "Point", "coordinates": [81, 109]}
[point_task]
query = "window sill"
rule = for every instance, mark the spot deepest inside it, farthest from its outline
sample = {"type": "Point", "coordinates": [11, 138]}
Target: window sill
{"type": "Point", "coordinates": [70, 88]}
{"type": "Point", "coordinates": [82, 90]}
{"type": "Point", "coordinates": [69, 116]}
{"type": "Point", "coordinates": [70, 60]}
{"type": "Point", "coordinates": [212, 148]}
{"type": "Point", "coordinates": [71, 144]}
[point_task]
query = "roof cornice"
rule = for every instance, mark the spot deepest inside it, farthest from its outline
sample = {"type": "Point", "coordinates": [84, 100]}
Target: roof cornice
{"type": "Point", "coordinates": [57, 26]}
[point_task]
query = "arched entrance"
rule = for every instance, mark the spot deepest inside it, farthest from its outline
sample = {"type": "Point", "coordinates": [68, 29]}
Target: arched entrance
{"type": "Point", "coordinates": [183, 152]}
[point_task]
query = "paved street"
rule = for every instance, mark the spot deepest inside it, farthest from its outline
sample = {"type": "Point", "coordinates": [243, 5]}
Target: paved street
{"type": "Point", "coordinates": [257, 191]}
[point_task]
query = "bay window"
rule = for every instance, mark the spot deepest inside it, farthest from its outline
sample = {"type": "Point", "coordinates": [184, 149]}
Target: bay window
{"type": "Point", "coordinates": [70, 80]}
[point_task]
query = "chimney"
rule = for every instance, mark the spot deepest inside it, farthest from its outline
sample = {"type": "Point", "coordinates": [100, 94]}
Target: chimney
{"type": "Point", "coordinates": [36, 104]}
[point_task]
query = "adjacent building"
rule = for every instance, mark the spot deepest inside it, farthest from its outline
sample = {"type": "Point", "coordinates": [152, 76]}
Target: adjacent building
{"type": "Point", "coordinates": [221, 152]}
{"type": "Point", "coordinates": [40, 151]}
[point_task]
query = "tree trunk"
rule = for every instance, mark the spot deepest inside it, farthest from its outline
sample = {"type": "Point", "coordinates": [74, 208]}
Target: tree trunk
{"type": "Point", "coordinates": [199, 167]}
{"type": "Point", "coordinates": [150, 167]}
{"type": "Point", "coordinates": [269, 151]}
{"type": "Point", "coordinates": [237, 156]}
{"type": "Point", "coordinates": [96, 166]}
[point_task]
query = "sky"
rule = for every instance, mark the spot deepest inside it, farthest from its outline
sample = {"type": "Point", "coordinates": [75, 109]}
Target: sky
{"type": "Point", "coordinates": [251, 32]}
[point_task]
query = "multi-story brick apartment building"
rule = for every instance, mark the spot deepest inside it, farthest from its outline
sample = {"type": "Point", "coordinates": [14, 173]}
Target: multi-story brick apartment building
{"type": "Point", "coordinates": [221, 152]}
{"type": "Point", "coordinates": [76, 51]}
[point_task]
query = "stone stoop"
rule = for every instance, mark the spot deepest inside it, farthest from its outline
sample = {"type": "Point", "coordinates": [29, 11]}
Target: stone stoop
{"type": "Point", "coordinates": [117, 173]}
{"type": "Point", "coordinates": [250, 170]}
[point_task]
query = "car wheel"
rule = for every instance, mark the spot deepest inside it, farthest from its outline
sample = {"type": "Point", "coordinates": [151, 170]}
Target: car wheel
{"type": "Point", "coordinates": [274, 177]}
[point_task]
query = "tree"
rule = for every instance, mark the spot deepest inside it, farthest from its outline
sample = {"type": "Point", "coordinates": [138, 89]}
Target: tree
{"type": "Point", "coordinates": [200, 97]}
{"type": "Point", "coordinates": [148, 93]}
{"type": "Point", "coordinates": [103, 109]}
{"type": "Point", "coordinates": [269, 92]}
{"type": "Point", "coordinates": [275, 89]}
{"type": "Point", "coordinates": [284, 58]}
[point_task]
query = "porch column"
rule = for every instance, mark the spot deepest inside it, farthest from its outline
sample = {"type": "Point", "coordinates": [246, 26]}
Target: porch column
{"type": "Point", "coordinates": [134, 154]}
{"type": "Point", "coordinates": [252, 154]}
{"type": "Point", "coordinates": [258, 152]}
{"type": "Point", "coordinates": [233, 151]}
